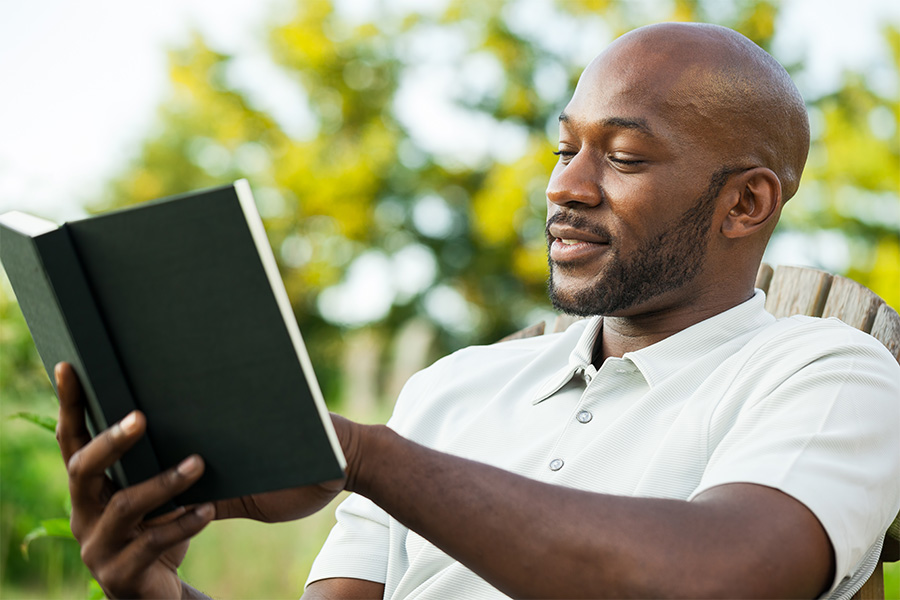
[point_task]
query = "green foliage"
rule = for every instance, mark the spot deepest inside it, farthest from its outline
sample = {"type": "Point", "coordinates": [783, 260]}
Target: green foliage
{"type": "Point", "coordinates": [58, 527]}
{"type": "Point", "coordinates": [48, 423]}
{"type": "Point", "coordinates": [33, 492]}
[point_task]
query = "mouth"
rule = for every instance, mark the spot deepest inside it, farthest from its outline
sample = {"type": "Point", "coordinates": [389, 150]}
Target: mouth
{"type": "Point", "coordinates": [572, 251]}
{"type": "Point", "coordinates": [569, 245]}
{"type": "Point", "coordinates": [574, 242]}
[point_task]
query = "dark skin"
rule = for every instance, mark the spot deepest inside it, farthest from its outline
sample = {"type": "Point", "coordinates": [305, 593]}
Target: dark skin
{"type": "Point", "coordinates": [527, 538]}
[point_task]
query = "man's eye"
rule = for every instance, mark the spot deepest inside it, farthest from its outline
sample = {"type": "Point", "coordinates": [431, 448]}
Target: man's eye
{"type": "Point", "coordinates": [564, 153]}
{"type": "Point", "coordinates": [624, 161]}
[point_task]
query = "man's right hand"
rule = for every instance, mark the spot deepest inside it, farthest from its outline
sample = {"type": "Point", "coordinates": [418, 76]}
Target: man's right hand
{"type": "Point", "coordinates": [129, 557]}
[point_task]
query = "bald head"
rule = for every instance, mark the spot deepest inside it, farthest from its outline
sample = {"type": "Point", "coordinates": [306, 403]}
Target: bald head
{"type": "Point", "coordinates": [729, 96]}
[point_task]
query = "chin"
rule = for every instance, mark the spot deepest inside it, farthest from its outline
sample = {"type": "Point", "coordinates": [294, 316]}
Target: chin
{"type": "Point", "coordinates": [575, 300]}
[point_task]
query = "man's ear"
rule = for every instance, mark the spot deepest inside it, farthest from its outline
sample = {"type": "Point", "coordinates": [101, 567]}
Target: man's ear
{"type": "Point", "coordinates": [754, 202]}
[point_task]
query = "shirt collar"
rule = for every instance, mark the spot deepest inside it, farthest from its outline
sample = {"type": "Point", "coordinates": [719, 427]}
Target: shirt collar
{"type": "Point", "coordinates": [579, 362]}
{"type": "Point", "coordinates": [660, 360]}
{"type": "Point", "coordinates": [657, 361]}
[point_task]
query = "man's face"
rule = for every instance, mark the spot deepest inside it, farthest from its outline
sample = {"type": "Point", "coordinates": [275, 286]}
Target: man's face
{"type": "Point", "coordinates": [658, 265]}
{"type": "Point", "coordinates": [632, 198]}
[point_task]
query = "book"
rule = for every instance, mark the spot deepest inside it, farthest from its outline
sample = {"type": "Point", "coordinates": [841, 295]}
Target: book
{"type": "Point", "coordinates": [176, 307]}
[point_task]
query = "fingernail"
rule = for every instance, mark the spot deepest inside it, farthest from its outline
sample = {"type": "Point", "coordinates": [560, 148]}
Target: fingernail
{"type": "Point", "coordinates": [206, 511]}
{"type": "Point", "coordinates": [189, 466]}
{"type": "Point", "coordinates": [129, 423]}
{"type": "Point", "coordinates": [57, 370]}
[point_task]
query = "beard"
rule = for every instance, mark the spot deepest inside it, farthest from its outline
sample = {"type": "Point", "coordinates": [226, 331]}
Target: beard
{"type": "Point", "coordinates": [660, 264]}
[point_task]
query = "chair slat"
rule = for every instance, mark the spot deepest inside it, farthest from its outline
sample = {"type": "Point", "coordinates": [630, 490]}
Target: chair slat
{"type": "Point", "coordinates": [797, 291]}
{"type": "Point", "coordinates": [563, 321]}
{"type": "Point", "coordinates": [530, 331]}
{"type": "Point", "coordinates": [886, 329]}
{"type": "Point", "coordinates": [852, 303]}
{"type": "Point", "coordinates": [873, 589]}
{"type": "Point", "coordinates": [764, 277]}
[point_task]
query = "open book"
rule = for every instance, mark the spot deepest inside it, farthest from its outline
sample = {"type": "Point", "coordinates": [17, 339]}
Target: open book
{"type": "Point", "coordinates": [175, 307]}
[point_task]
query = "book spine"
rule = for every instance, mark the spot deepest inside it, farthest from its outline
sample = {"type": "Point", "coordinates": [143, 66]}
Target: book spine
{"type": "Point", "coordinates": [65, 323]}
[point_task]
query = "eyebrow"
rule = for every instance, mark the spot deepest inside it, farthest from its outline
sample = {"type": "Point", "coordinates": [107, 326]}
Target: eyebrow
{"type": "Point", "coordinates": [639, 125]}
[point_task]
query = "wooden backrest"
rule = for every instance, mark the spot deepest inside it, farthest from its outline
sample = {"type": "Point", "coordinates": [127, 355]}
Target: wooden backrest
{"type": "Point", "coordinates": [802, 291]}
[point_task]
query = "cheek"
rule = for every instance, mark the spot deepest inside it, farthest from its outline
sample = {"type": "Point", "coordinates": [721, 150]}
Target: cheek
{"type": "Point", "coordinates": [640, 211]}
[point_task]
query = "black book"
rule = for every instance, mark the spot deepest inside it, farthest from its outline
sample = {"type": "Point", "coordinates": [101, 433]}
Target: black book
{"type": "Point", "coordinates": [175, 307]}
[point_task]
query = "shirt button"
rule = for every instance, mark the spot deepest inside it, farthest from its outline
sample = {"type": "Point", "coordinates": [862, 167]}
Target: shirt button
{"type": "Point", "coordinates": [584, 416]}
{"type": "Point", "coordinates": [556, 464]}
{"type": "Point", "coordinates": [621, 370]}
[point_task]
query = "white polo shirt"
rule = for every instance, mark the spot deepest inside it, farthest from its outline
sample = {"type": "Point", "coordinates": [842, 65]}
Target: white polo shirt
{"type": "Point", "coordinates": [807, 406]}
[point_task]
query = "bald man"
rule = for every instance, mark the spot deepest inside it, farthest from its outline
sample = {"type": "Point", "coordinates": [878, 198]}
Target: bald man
{"type": "Point", "coordinates": [684, 443]}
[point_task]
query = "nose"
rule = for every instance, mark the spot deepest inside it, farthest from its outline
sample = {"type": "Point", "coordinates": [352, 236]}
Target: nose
{"type": "Point", "coordinates": [575, 183]}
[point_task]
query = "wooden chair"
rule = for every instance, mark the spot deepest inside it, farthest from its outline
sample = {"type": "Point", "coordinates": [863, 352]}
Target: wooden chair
{"type": "Point", "coordinates": [803, 291]}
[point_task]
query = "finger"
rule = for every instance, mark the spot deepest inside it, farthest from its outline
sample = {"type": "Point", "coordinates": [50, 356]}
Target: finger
{"type": "Point", "coordinates": [136, 558]}
{"type": "Point", "coordinates": [71, 433]}
{"type": "Point", "coordinates": [127, 508]}
{"type": "Point", "coordinates": [87, 466]}
{"type": "Point", "coordinates": [168, 517]}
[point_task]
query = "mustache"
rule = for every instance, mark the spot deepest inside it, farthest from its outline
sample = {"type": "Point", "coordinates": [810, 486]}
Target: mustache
{"type": "Point", "coordinates": [576, 222]}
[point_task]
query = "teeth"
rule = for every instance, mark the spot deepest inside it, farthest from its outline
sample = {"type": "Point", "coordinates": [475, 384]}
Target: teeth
{"type": "Point", "coordinates": [569, 242]}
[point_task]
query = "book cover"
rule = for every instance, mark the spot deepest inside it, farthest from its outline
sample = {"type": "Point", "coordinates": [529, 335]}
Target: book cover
{"type": "Point", "coordinates": [182, 298]}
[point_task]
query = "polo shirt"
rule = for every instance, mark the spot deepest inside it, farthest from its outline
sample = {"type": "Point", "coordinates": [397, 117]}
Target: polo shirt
{"type": "Point", "coordinates": [807, 406]}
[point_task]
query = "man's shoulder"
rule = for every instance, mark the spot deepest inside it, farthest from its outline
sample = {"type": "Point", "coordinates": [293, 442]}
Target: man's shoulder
{"type": "Point", "coordinates": [459, 382]}
{"type": "Point", "coordinates": [822, 335]}
{"type": "Point", "coordinates": [811, 347]}
{"type": "Point", "coordinates": [523, 348]}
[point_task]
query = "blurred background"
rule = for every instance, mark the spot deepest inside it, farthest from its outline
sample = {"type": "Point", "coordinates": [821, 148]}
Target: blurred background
{"type": "Point", "coordinates": [398, 151]}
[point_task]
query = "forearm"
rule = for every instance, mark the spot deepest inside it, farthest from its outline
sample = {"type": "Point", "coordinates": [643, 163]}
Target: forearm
{"type": "Point", "coordinates": [528, 538]}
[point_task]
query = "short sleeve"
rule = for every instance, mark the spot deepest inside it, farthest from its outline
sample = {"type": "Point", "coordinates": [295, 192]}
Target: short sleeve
{"type": "Point", "coordinates": [358, 544]}
{"type": "Point", "coordinates": [825, 434]}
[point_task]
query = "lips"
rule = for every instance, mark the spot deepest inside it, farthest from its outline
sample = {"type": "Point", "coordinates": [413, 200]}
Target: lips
{"type": "Point", "coordinates": [574, 244]}
{"type": "Point", "coordinates": [570, 235]}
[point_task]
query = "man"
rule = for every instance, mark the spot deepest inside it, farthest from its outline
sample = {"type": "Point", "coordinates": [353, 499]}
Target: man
{"type": "Point", "coordinates": [686, 444]}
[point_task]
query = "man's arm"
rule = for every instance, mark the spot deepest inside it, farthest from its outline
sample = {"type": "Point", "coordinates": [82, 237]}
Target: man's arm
{"type": "Point", "coordinates": [531, 539]}
{"type": "Point", "coordinates": [525, 537]}
{"type": "Point", "coordinates": [343, 589]}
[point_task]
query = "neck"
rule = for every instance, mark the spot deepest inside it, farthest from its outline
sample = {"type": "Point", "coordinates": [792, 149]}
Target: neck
{"type": "Point", "coordinates": [631, 332]}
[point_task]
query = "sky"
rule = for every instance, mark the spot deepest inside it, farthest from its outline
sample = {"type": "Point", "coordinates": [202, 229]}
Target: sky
{"type": "Point", "coordinates": [81, 80]}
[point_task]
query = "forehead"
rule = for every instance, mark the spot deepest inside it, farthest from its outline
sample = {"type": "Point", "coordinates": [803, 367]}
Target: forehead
{"type": "Point", "coordinates": [612, 88]}
{"type": "Point", "coordinates": [661, 87]}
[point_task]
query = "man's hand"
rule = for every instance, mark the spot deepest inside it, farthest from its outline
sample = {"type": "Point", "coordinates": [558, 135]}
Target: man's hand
{"type": "Point", "coordinates": [134, 558]}
{"type": "Point", "coordinates": [295, 503]}
{"type": "Point", "coordinates": [128, 556]}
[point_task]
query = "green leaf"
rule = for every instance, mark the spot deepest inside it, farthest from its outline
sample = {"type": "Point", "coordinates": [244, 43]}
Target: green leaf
{"type": "Point", "coordinates": [58, 528]}
{"type": "Point", "coordinates": [48, 423]}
